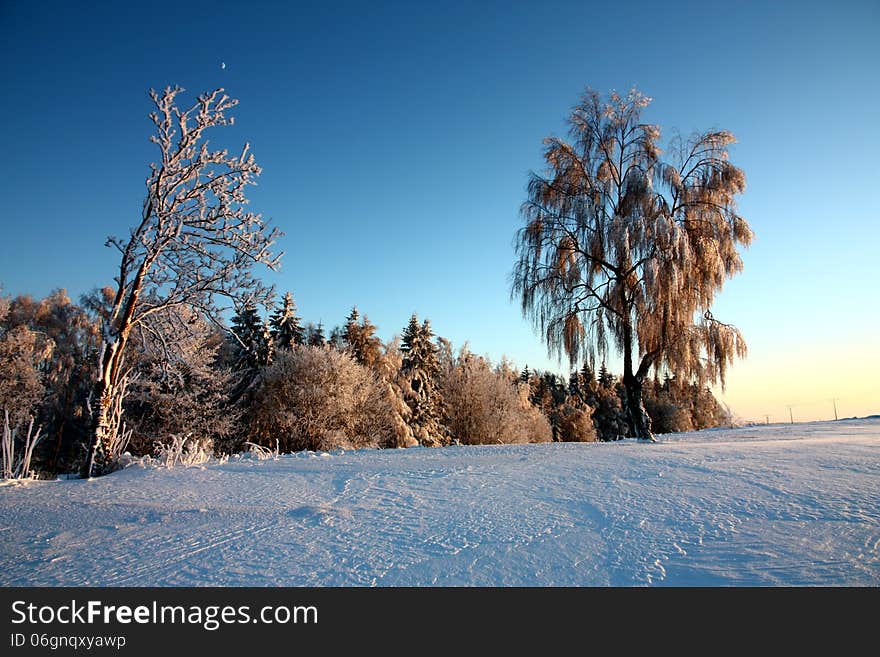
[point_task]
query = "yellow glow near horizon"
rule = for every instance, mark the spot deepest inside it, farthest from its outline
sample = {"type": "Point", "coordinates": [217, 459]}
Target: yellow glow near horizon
{"type": "Point", "coordinates": [807, 377]}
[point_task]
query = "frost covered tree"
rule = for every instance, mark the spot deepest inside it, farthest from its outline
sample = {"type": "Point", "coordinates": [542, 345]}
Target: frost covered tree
{"type": "Point", "coordinates": [181, 389]}
{"type": "Point", "coordinates": [286, 328]}
{"type": "Point", "coordinates": [23, 354]}
{"type": "Point", "coordinates": [622, 249]}
{"type": "Point", "coordinates": [67, 373]}
{"type": "Point", "coordinates": [419, 372]}
{"type": "Point", "coordinates": [361, 341]}
{"type": "Point", "coordinates": [193, 245]}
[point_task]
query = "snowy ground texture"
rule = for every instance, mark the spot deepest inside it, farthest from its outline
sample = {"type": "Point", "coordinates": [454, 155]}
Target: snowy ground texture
{"type": "Point", "coordinates": [777, 505]}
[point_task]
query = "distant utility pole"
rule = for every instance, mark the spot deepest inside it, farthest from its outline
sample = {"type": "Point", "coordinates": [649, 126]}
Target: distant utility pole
{"type": "Point", "coordinates": [790, 416]}
{"type": "Point", "coordinates": [834, 401]}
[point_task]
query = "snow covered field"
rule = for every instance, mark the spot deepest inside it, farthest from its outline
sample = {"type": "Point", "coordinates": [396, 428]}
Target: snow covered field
{"type": "Point", "coordinates": [773, 505]}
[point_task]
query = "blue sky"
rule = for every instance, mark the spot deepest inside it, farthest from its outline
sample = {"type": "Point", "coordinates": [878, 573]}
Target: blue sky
{"type": "Point", "coordinates": [396, 139]}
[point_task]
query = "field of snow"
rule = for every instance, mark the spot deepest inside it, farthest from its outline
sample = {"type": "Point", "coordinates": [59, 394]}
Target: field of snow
{"type": "Point", "coordinates": [776, 505]}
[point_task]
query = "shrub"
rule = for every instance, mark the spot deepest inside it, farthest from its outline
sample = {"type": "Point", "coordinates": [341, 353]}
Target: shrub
{"type": "Point", "coordinates": [574, 424]}
{"type": "Point", "coordinates": [315, 398]}
{"type": "Point", "coordinates": [485, 406]}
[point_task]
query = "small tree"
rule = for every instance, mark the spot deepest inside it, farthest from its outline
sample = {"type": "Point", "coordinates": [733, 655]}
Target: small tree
{"type": "Point", "coordinates": [621, 249]}
{"type": "Point", "coordinates": [194, 244]}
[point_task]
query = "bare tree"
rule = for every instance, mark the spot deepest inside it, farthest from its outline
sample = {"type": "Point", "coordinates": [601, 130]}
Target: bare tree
{"type": "Point", "coordinates": [622, 249]}
{"type": "Point", "coordinates": [195, 243]}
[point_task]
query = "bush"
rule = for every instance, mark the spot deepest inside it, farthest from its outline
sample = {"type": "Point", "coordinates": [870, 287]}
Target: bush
{"type": "Point", "coordinates": [667, 417]}
{"type": "Point", "coordinates": [485, 406]}
{"type": "Point", "coordinates": [574, 424]}
{"type": "Point", "coordinates": [315, 398]}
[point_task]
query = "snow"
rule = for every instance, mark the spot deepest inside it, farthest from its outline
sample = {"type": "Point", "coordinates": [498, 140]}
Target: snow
{"type": "Point", "coordinates": [771, 505]}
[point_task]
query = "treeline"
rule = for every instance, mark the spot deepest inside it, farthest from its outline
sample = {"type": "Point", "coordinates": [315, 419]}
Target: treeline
{"type": "Point", "coordinates": [285, 384]}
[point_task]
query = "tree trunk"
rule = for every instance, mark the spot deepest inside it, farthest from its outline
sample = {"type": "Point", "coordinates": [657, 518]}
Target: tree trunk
{"type": "Point", "coordinates": [104, 424]}
{"type": "Point", "coordinates": [640, 423]}
{"type": "Point", "coordinates": [101, 438]}
{"type": "Point", "coordinates": [638, 416]}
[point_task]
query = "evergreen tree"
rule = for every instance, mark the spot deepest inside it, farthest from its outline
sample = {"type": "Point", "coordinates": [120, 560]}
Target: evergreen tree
{"type": "Point", "coordinates": [587, 376]}
{"type": "Point", "coordinates": [351, 324]}
{"type": "Point", "coordinates": [316, 336]}
{"type": "Point", "coordinates": [252, 340]}
{"type": "Point", "coordinates": [285, 325]}
{"type": "Point", "coordinates": [419, 373]}
{"type": "Point", "coordinates": [606, 379]}
{"type": "Point", "coordinates": [361, 342]}
{"type": "Point", "coordinates": [337, 338]}
{"type": "Point", "coordinates": [574, 384]}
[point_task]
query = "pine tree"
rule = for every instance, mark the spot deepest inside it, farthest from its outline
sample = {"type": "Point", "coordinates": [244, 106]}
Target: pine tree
{"type": "Point", "coordinates": [252, 340]}
{"type": "Point", "coordinates": [574, 384]}
{"type": "Point", "coordinates": [336, 340]}
{"type": "Point", "coordinates": [351, 324]}
{"type": "Point", "coordinates": [587, 376]}
{"type": "Point", "coordinates": [285, 325]}
{"type": "Point", "coordinates": [606, 379]}
{"type": "Point", "coordinates": [419, 372]}
{"type": "Point", "coordinates": [316, 336]}
{"type": "Point", "coordinates": [410, 337]}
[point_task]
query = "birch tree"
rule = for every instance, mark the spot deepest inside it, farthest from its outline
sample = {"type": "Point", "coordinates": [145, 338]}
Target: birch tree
{"type": "Point", "coordinates": [194, 245]}
{"type": "Point", "coordinates": [622, 249]}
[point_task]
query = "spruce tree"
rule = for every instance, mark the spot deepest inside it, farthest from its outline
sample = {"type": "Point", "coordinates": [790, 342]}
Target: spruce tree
{"type": "Point", "coordinates": [587, 376]}
{"type": "Point", "coordinates": [316, 336]}
{"type": "Point", "coordinates": [351, 323]}
{"type": "Point", "coordinates": [336, 340]}
{"type": "Point", "coordinates": [606, 379]}
{"type": "Point", "coordinates": [252, 341]}
{"type": "Point", "coordinates": [285, 325]}
{"type": "Point", "coordinates": [419, 371]}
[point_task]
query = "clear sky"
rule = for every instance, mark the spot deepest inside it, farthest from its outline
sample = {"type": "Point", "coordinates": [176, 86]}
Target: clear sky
{"type": "Point", "coordinates": [396, 139]}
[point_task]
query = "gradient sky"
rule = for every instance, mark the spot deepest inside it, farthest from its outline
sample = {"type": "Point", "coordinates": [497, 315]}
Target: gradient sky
{"type": "Point", "coordinates": [396, 139]}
